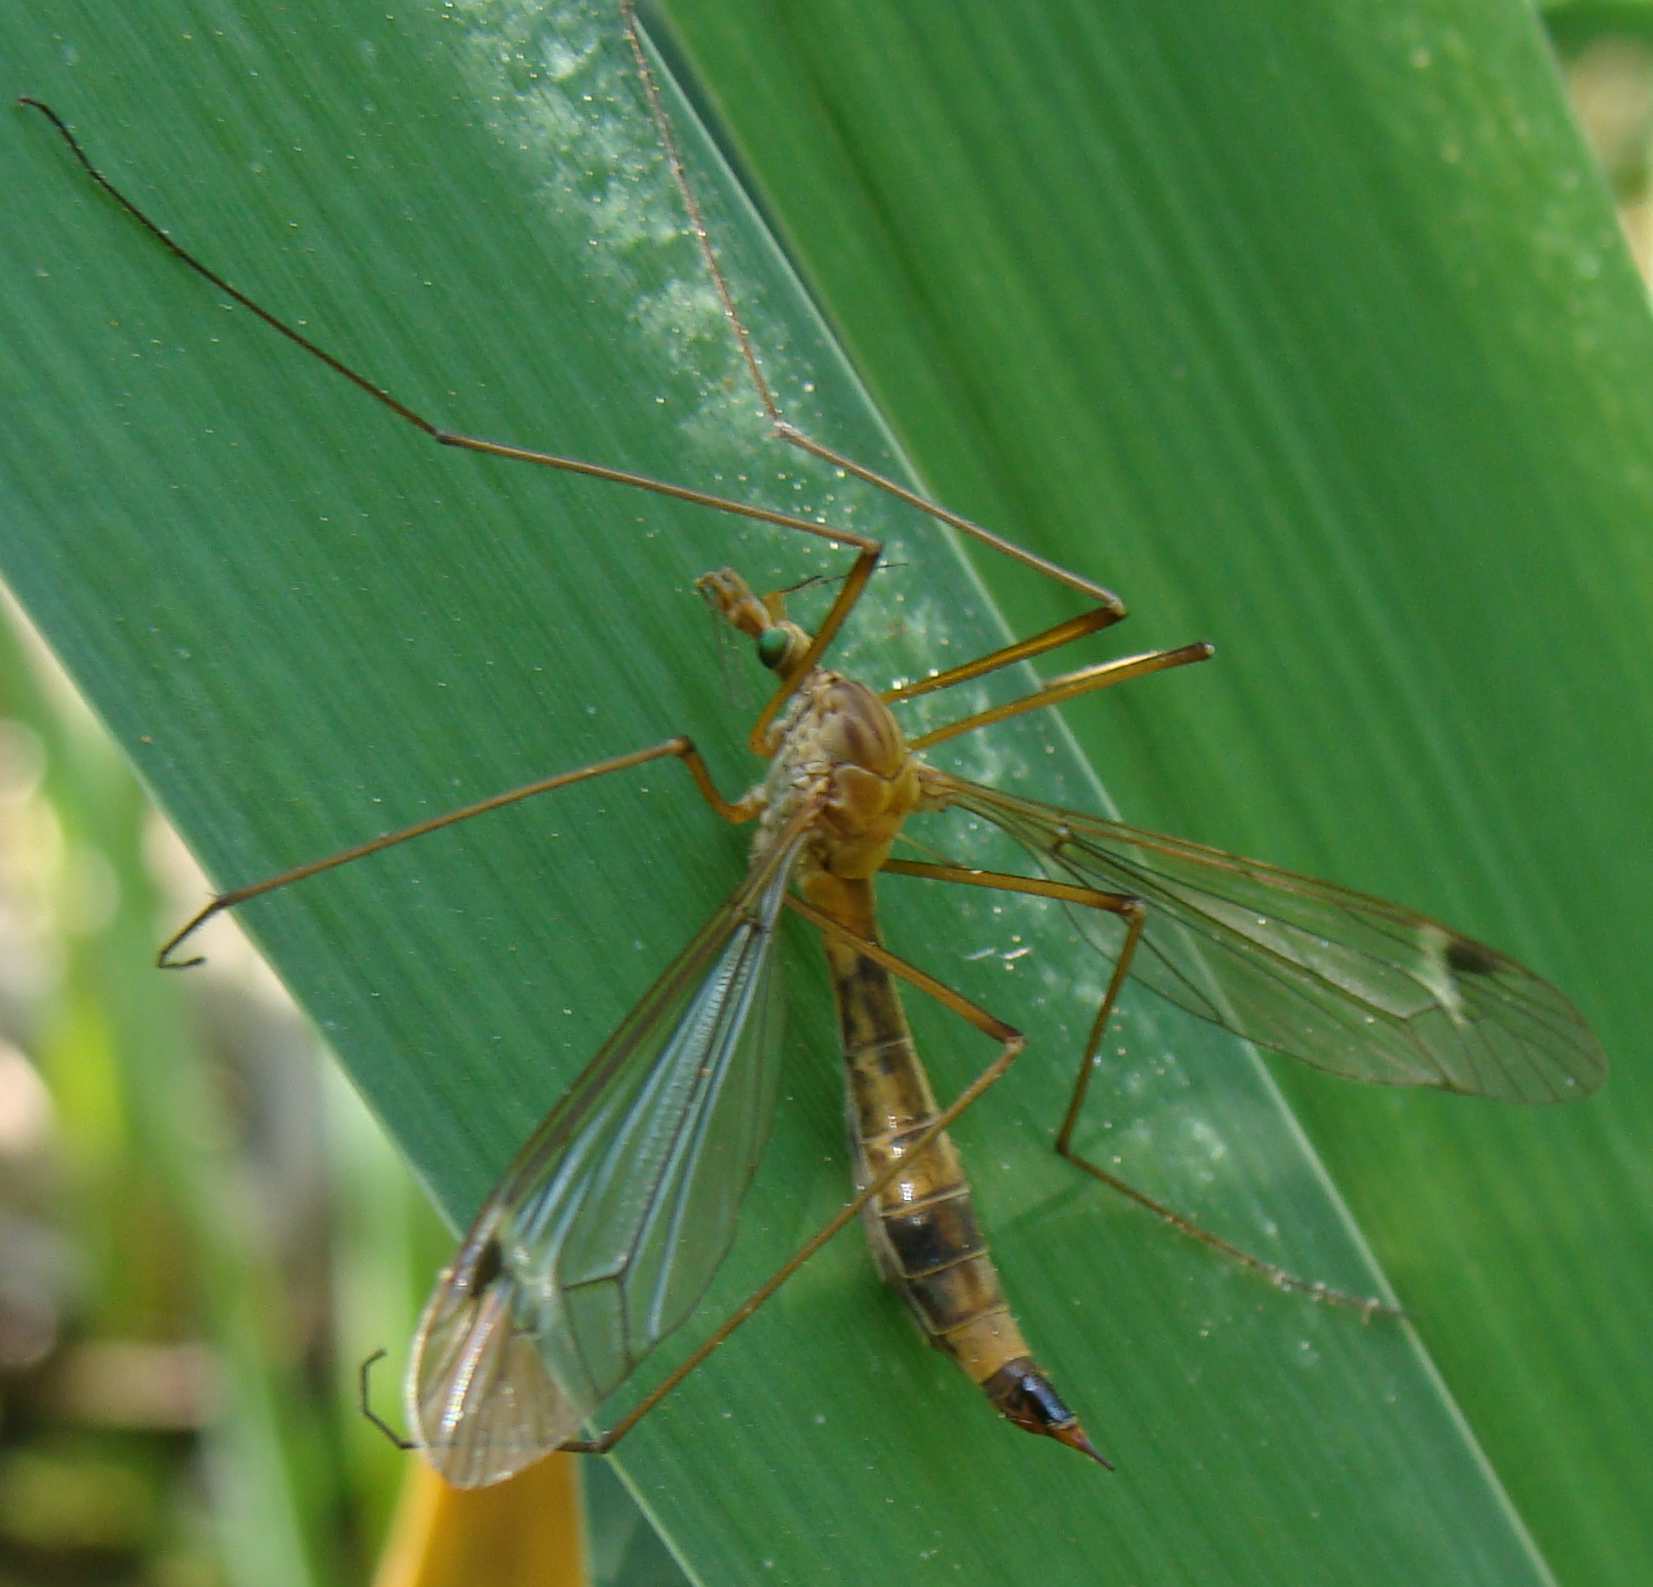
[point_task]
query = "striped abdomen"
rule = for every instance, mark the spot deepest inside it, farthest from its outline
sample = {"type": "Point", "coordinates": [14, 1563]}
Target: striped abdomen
{"type": "Point", "coordinates": [922, 1226]}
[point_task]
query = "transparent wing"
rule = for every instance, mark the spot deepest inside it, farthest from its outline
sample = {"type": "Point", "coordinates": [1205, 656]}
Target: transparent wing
{"type": "Point", "coordinates": [607, 1229]}
{"type": "Point", "coordinates": [1338, 979]}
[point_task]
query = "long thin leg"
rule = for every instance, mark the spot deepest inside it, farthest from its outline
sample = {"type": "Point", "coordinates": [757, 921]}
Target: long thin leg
{"type": "Point", "coordinates": [1104, 675]}
{"type": "Point", "coordinates": [1063, 633]}
{"type": "Point", "coordinates": [472, 443]}
{"type": "Point", "coordinates": [1010, 1042]}
{"type": "Point", "coordinates": [680, 748]}
{"type": "Point", "coordinates": [1134, 914]}
{"type": "Point", "coordinates": [1112, 609]}
{"type": "Point", "coordinates": [867, 549]}
{"type": "Point", "coordinates": [787, 431]}
{"type": "Point", "coordinates": [1109, 608]}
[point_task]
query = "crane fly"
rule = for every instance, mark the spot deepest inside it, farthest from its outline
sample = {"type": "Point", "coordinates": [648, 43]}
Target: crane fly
{"type": "Point", "coordinates": [603, 1236]}
{"type": "Point", "coordinates": [605, 1233]}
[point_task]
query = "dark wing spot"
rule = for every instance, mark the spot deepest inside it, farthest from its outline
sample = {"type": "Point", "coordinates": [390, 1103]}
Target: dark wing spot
{"type": "Point", "coordinates": [490, 1263]}
{"type": "Point", "coordinates": [1470, 958]}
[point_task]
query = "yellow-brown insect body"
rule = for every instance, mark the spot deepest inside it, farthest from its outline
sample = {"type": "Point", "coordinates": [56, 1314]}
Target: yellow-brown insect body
{"type": "Point", "coordinates": [838, 751]}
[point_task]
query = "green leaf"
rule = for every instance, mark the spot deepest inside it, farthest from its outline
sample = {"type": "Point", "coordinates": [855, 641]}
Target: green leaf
{"type": "Point", "coordinates": [1310, 335]}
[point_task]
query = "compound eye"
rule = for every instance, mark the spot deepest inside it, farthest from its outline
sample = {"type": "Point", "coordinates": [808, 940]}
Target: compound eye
{"type": "Point", "coordinates": [773, 645]}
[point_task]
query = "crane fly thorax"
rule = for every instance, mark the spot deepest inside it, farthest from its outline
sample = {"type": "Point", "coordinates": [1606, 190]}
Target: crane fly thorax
{"type": "Point", "coordinates": [841, 753]}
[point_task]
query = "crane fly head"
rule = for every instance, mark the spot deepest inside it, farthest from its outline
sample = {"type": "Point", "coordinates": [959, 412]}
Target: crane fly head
{"type": "Point", "coordinates": [780, 642]}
